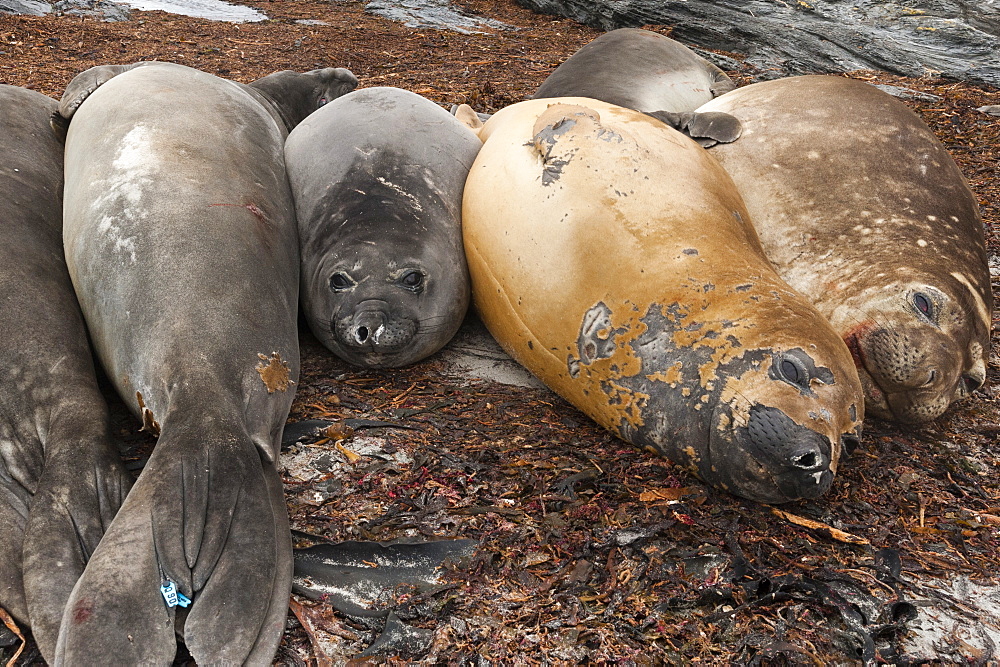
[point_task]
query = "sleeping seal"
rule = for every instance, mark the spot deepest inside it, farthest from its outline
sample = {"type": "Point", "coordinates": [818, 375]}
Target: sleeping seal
{"type": "Point", "coordinates": [614, 258]}
{"type": "Point", "coordinates": [862, 209]}
{"type": "Point", "coordinates": [61, 480]}
{"type": "Point", "coordinates": [180, 238]}
{"type": "Point", "coordinates": [377, 178]}
{"type": "Point", "coordinates": [640, 70]}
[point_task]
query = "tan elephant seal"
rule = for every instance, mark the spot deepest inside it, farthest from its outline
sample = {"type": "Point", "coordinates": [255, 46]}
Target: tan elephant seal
{"type": "Point", "coordinates": [861, 208]}
{"type": "Point", "coordinates": [613, 257]}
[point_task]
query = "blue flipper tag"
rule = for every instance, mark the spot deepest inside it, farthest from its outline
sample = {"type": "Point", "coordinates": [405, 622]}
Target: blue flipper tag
{"type": "Point", "coordinates": [172, 596]}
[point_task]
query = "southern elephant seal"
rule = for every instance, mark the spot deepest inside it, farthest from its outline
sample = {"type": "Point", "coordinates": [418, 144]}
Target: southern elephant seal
{"type": "Point", "coordinates": [377, 177]}
{"type": "Point", "coordinates": [649, 72]}
{"type": "Point", "coordinates": [61, 480]}
{"type": "Point", "coordinates": [861, 208]}
{"type": "Point", "coordinates": [613, 257]}
{"type": "Point", "coordinates": [180, 238]}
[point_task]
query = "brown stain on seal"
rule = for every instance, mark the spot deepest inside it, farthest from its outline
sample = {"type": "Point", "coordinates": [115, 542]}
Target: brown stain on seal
{"type": "Point", "coordinates": [149, 423]}
{"type": "Point", "coordinates": [274, 373]}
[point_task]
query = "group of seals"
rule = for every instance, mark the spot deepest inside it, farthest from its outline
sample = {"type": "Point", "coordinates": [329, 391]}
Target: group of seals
{"type": "Point", "coordinates": [180, 239]}
{"type": "Point", "coordinates": [862, 209]}
{"type": "Point", "coordinates": [855, 201]}
{"type": "Point", "coordinates": [377, 179]}
{"type": "Point", "coordinates": [614, 258]}
{"type": "Point", "coordinates": [61, 478]}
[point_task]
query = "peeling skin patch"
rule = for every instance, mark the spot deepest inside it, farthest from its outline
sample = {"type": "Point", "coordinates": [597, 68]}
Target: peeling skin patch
{"type": "Point", "coordinates": [274, 373]}
{"type": "Point", "coordinates": [149, 423]}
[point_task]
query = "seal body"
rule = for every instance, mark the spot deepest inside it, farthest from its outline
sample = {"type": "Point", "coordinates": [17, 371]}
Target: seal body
{"type": "Point", "coordinates": [640, 70]}
{"type": "Point", "coordinates": [61, 479]}
{"type": "Point", "coordinates": [862, 209]}
{"type": "Point", "coordinates": [614, 258]}
{"type": "Point", "coordinates": [180, 238]}
{"type": "Point", "coordinates": [377, 177]}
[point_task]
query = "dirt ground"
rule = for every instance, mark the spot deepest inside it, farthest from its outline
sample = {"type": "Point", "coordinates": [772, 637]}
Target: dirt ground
{"type": "Point", "coordinates": [591, 551]}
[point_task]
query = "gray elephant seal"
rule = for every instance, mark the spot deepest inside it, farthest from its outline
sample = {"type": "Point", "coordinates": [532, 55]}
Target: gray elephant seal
{"type": "Point", "coordinates": [646, 71]}
{"type": "Point", "coordinates": [377, 177]}
{"type": "Point", "coordinates": [640, 70]}
{"type": "Point", "coordinates": [614, 258]}
{"type": "Point", "coordinates": [862, 209]}
{"type": "Point", "coordinates": [61, 480]}
{"type": "Point", "coordinates": [180, 238]}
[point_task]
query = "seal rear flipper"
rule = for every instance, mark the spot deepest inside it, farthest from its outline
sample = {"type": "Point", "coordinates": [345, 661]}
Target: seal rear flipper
{"type": "Point", "coordinates": [706, 127]}
{"type": "Point", "coordinates": [74, 504]}
{"type": "Point", "coordinates": [86, 82]}
{"type": "Point", "coordinates": [13, 519]}
{"type": "Point", "coordinates": [215, 526]}
{"type": "Point", "coordinates": [116, 610]}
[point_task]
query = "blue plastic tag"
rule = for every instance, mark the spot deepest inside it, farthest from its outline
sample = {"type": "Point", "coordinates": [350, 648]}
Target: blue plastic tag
{"type": "Point", "coordinates": [172, 596]}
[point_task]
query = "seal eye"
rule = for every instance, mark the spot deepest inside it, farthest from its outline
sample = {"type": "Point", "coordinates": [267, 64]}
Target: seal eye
{"type": "Point", "coordinates": [792, 371]}
{"type": "Point", "coordinates": [412, 280]}
{"type": "Point", "coordinates": [340, 281]}
{"type": "Point", "coordinates": [321, 102]}
{"type": "Point", "coordinates": [924, 304]}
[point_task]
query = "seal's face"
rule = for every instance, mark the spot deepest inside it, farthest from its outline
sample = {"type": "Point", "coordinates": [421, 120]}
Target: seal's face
{"type": "Point", "coordinates": [376, 308]}
{"type": "Point", "coordinates": [777, 434]}
{"type": "Point", "coordinates": [917, 351]}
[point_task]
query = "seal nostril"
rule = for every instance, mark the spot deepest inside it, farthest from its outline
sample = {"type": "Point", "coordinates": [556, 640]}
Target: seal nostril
{"type": "Point", "coordinates": [931, 378]}
{"type": "Point", "coordinates": [361, 334]}
{"type": "Point", "coordinates": [806, 461]}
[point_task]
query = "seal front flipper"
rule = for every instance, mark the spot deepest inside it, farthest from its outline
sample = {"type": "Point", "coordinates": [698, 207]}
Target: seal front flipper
{"type": "Point", "coordinates": [708, 128]}
{"type": "Point", "coordinates": [14, 501]}
{"type": "Point", "coordinates": [86, 82]}
{"type": "Point", "coordinates": [78, 495]}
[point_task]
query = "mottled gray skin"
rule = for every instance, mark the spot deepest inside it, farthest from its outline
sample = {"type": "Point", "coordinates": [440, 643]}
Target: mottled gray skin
{"type": "Point", "coordinates": [640, 70]}
{"type": "Point", "coordinates": [377, 178]}
{"type": "Point", "coordinates": [61, 480]}
{"type": "Point", "coordinates": [180, 238]}
{"type": "Point", "coordinates": [861, 208]}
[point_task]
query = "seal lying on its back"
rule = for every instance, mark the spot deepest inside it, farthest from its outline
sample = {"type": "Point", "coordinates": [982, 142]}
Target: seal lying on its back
{"type": "Point", "coordinates": [640, 70]}
{"type": "Point", "coordinates": [614, 258]}
{"type": "Point", "coordinates": [862, 209]}
{"type": "Point", "coordinates": [180, 238]}
{"type": "Point", "coordinates": [61, 480]}
{"type": "Point", "coordinates": [377, 178]}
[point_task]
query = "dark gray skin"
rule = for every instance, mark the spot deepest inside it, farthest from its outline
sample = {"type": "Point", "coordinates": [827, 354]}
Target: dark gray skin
{"type": "Point", "coordinates": [649, 72]}
{"type": "Point", "coordinates": [377, 178]}
{"type": "Point", "coordinates": [61, 480]}
{"type": "Point", "coordinates": [180, 237]}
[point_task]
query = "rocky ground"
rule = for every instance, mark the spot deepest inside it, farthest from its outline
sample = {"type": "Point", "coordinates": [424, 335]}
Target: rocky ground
{"type": "Point", "coordinates": [589, 550]}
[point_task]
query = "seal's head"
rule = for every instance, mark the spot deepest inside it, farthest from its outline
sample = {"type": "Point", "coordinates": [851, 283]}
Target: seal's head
{"type": "Point", "coordinates": [919, 346]}
{"type": "Point", "coordinates": [378, 299]}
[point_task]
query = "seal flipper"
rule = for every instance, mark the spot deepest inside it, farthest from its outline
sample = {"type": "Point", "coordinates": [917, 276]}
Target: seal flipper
{"type": "Point", "coordinates": [76, 500]}
{"type": "Point", "coordinates": [707, 128]}
{"type": "Point", "coordinates": [208, 534]}
{"type": "Point", "coordinates": [14, 502]}
{"type": "Point", "coordinates": [86, 82]}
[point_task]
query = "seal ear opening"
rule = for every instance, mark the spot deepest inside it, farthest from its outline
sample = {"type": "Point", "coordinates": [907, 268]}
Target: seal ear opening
{"type": "Point", "coordinates": [707, 128]}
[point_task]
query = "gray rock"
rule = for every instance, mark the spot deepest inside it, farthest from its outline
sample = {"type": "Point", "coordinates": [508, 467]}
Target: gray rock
{"type": "Point", "coordinates": [433, 14]}
{"type": "Point", "coordinates": [991, 109]}
{"type": "Point", "coordinates": [952, 38]}
{"type": "Point", "coordinates": [106, 11]}
{"type": "Point", "coordinates": [906, 93]}
{"type": "Point", "coordinates": [27, 7]}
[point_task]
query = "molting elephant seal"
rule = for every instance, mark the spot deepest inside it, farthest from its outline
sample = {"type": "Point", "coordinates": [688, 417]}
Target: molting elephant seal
{"type": "Point", "coordinates": [614, 258]}
{"type": "Point", "coordinates": [861, 208]}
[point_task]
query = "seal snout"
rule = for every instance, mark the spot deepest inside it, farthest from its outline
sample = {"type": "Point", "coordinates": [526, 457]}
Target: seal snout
{"type": "Point", "coordinates": [371, 329]}
{"type": "Point", "coordinates": [797, 458]}
{"type": "Point", "coordinates": [368, 327]}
